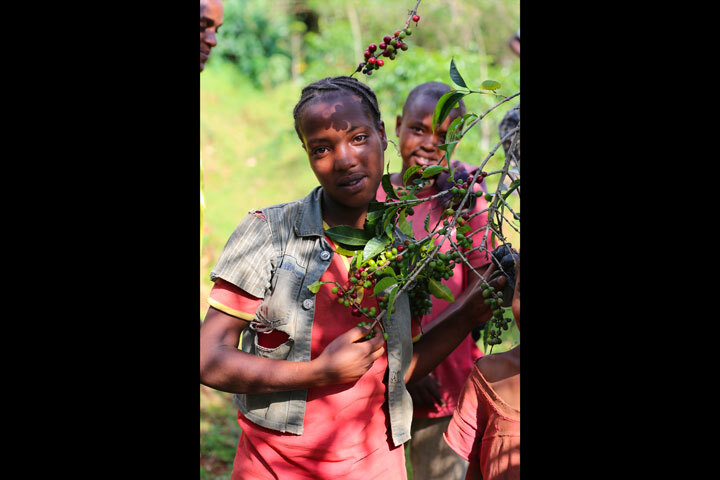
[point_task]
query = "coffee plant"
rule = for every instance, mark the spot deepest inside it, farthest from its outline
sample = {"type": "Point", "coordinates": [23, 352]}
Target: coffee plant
{"type": "Point", "coordinates": [387, 259]}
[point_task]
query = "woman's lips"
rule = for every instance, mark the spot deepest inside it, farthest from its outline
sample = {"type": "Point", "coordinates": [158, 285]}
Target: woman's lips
{"type": "Point", "coordinates": [353, 184]}
{"type": "Point", "coordinates": [423, 160]}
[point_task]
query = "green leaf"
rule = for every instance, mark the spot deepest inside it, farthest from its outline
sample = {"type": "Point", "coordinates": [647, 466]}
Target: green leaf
{"type": "Point", "coordinates": [388, 219]}
{"type": "Point", "coordinates": [391, 301]}
{"type": "Point", "coordinates": [433, 170]}
{"type": "Point", "coordinates": [374, 246]}
{"type": "Point", "coordinates": [349, 235]}
{"type": "Point", "coordinates": [455, 75]}
{"type": "Point", "coordinates": [390, 231]}
{"type": "Point", "coordinates": [343, 251]}
{"type": "Point", "coordinates": [440, 291]}
{"type": "Point", "coordinates": [427, 222]}
{"type": "Point", "coordinates": [490, 85]}
{"type": "Point", "coordinates": [409, 173]}
{"type": "Point", "coordinates": [372, 218]}
{"type": "Point", "coordinates": [315, 287]}
{"type": "Point", "coordinates": [444, 105]}
{"type": "Point", "coordinates": [358, 258]}
{"type": "Point", "coordinates": [403, 224]}
{"type": "Point", "coordinates": [388, 187]}
{"type": "Point", "coordinates": [515, 184]}
{"type": "Point", "coordinates": [383, 284]}
{"type": "Point", "coordinates": [389, 271]}
{"type": "Point", "coordinates": [448, 148]}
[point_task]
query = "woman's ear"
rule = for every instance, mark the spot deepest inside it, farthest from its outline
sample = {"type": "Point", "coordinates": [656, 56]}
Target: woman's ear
{"type": "Point", "coordinates": [383, 136]}
{"type": "Point", "coordinates": [398, 122]}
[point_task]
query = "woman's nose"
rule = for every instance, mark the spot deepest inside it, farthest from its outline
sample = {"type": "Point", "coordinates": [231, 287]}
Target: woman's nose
{"type": "Point", "coordinates": [344, 157]}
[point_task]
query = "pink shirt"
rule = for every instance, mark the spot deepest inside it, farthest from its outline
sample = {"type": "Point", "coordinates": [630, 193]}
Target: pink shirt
{"type": "Point", "coordinates": [345, 427]}
{"type": "Point", "coordinates": [485, 429]}
{"type": "Point", "coordinates": [452, 372]}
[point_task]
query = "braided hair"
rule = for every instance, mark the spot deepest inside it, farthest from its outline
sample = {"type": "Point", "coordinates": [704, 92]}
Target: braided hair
{"type": "Point", "coordinates": [330, 86]}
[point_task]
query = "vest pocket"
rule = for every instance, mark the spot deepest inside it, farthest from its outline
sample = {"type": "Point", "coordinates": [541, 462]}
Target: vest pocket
{"type": "Point", "coordinates": [280, 352]}
{"type": "Point", "coordinates": [279, 305]}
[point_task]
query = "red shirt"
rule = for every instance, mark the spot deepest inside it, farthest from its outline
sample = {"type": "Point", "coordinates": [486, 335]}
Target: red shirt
{"type": "Point", "coordinates": [452, 372]}
{"type": "Point", "coordinates": [346, 426]}
{"type": "Point", "coordinates": [486, 430]}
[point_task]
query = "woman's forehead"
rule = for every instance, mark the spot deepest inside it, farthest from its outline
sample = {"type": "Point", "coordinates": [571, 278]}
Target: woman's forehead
{"type": "Point", "coordinates": [336, 112]}
{"type": "Point", "coordinates": [420, 107]}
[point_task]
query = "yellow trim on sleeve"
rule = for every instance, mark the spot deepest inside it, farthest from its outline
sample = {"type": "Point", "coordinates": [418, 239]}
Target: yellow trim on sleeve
{"type": "Point", "coordinates": [231, 311]}
{"type": "Point", "coordinates": [417, 337]}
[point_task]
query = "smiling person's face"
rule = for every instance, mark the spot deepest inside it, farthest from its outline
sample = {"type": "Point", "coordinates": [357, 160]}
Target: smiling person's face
{"type": "Point", "coordinates": [418, 143]}
{"type": "Point", "coordinates": [345, 149]}
{"type": "Point", "coordinates": [211, 17]}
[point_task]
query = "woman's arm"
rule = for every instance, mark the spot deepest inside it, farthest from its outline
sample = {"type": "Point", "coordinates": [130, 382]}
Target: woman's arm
{"type": "Point", "coordinates": [226, 368]}
{"type": "Point", "coordinates": [451, 327]}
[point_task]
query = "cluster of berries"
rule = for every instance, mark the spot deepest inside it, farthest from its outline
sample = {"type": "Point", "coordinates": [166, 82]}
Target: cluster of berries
{"type": "Point", "coordinates": [372, 332]}
{"type": "Point", "coordinates": [351, 293]}
{"type": "Point", "coordinates": [390, 47]}
{"type": "Point", "coordinates": [498, 322]}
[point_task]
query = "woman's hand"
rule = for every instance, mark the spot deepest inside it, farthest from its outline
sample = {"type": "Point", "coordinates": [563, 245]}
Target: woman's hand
{"type": "Point", "coordinates": [346, 359]}
{"type": "Point", "coordinates": [425, 392]}
{"type": "Point", "coordinates": [471, 301]}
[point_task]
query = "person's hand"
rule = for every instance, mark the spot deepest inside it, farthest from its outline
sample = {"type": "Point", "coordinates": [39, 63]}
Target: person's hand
{"type": "Point", "coordinates": [348, 357]}
{"type": "Point", "coordinates": [425, 392]}
{"type": "Point", "coordinates": [471, 300]}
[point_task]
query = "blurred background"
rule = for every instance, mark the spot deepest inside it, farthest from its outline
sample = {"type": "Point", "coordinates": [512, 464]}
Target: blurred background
{"type": "Point", "coordinates": [266, 52]}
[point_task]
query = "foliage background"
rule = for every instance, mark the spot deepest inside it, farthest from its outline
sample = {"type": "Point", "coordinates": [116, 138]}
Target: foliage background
{"type": "Point", "coordinates": [267, 51]}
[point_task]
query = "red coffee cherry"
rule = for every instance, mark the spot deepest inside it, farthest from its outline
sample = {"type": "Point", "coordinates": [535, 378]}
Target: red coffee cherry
{"type": "Point", "coordinates": [397, 33]}
{"type": "Point", "coordinates": [387, 38]}
{"type": "Point", "coordinates": [371, 60]}
{"type": "Point", "coordinates": [367, 54]}
{"type": "Point", "coordinates": [379, 62]}
{"type": "Point", "coordinates": [382, 46]}
{"type": "Point", "coordinates": [372, 47]}
{"type": "Point", "coordinates": [416, 18]}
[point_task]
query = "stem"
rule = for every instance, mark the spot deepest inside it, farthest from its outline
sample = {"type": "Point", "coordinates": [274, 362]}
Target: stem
{"type": "Point", "coordinates": [407, 24]}
{"type": "Point", "coordinates": [472, 124]}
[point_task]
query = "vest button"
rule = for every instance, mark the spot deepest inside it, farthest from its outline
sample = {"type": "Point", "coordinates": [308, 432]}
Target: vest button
{"type": "Point", "coordinates": [307, 303]}
{"type": "Point", "coordinates": [325, 255]}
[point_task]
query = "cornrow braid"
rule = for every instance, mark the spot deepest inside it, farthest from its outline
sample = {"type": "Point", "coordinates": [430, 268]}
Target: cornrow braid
{"type": "Point", "coordinates": [330, 85]}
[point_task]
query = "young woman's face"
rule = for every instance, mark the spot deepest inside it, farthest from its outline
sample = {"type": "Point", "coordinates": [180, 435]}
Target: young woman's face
{"type": "Point", "coordinates": [345, 149]}
{"type": "Point", "coordinates": [418, 143]}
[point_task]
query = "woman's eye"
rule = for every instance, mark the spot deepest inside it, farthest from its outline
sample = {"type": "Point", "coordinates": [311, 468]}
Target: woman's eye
{"type": "Point", "coordinates": [319, 150]}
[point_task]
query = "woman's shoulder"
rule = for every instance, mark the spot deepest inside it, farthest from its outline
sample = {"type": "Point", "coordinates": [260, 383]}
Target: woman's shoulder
{"type": "Point", "coordinates": [499, 366]}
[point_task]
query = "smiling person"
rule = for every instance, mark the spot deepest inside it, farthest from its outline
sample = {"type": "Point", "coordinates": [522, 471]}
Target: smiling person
{"type": "Point", "coordinates": [211, 18]}
{"type": "Point", "coordinates": [435, 396]}
{"type": "Point", "coordinates": [314, 400]}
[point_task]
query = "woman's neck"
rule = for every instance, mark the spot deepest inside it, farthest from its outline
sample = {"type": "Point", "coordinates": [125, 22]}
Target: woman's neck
{"type": "Point", "coordinates": [335, 214]}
